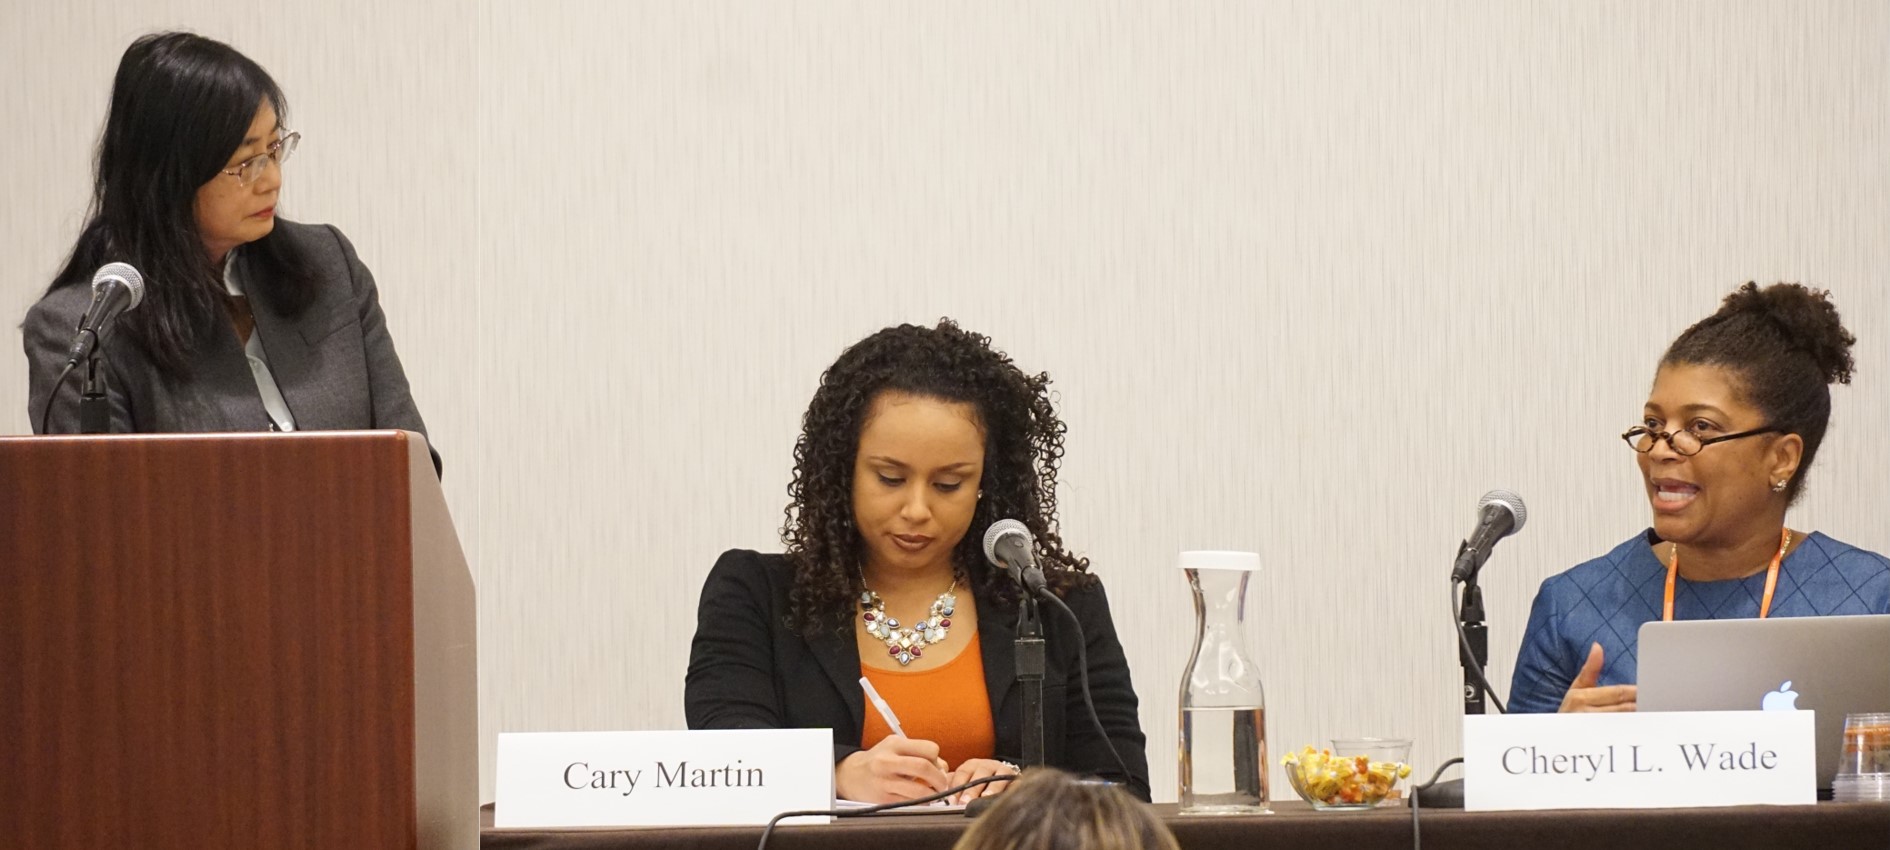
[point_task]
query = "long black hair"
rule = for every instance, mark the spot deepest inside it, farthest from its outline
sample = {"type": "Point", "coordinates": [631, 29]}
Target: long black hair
{"type": "Point", "coordinates": [1023, 447]}
{"type": "Point", "coordinates": [181, 105]}
{"type": "Point", "coordinates": [1787, 345]}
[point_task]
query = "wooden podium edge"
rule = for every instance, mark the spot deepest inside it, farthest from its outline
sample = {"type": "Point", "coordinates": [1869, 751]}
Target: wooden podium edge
{"type": "Point", "coordinates": [445, 666]}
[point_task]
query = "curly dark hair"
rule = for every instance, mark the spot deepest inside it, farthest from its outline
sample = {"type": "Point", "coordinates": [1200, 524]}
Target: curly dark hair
{"type": "Point", "coordinates": [1787, 345]}
{"type": "Point", "coordinates": [1023, 446]}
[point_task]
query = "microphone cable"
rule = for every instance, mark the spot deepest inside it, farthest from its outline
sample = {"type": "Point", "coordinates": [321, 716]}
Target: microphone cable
{"type": "Point", "coordinates": [1082, 672]}
{"type": "Point", "coordinates": [1417, 839]}
{"type": "Point", "coordinates": [45, 416]}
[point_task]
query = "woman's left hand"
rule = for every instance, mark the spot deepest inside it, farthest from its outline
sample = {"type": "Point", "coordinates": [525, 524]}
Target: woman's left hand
{"type": "Point", "coordinates": [974, 769]}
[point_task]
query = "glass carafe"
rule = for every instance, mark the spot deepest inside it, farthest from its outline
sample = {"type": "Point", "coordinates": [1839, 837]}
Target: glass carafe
{"type": "Point", "coordinates": [1223, 742]}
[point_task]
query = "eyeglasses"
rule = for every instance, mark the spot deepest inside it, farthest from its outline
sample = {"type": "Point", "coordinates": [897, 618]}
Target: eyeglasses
{"type": "Point", "coordinates": [1684, 443]}
{"type": "Point", "coordinates": [250, 170]}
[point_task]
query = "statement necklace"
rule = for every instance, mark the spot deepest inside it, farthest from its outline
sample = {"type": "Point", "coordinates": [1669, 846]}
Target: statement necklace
{"type": "Point", "coordinates": [906, 644]}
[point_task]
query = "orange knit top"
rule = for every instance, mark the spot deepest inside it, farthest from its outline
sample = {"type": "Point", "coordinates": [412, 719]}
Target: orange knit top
{"type": "Point", "coordinates": [947, 705]}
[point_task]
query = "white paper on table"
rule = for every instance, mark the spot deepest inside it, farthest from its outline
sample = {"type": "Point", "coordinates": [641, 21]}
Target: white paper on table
{"type": "Point", "coordinates": [936, 807]}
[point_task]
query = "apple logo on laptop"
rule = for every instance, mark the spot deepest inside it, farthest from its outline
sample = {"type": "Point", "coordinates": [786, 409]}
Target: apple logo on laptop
{"type": "Point", "coordinates": [1783, 699]}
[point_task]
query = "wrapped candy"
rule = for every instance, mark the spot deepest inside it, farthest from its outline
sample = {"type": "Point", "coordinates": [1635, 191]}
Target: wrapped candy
{"type": "Point", "coordinates": [1326, 780]}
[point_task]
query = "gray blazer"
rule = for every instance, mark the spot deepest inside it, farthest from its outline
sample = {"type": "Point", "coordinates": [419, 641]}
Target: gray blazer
{"type": "Point", "coordinates": [335, 364]}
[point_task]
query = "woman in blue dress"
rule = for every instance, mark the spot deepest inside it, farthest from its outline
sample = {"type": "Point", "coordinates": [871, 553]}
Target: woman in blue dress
{"type": "Point", "coordinates": [1739, 406]}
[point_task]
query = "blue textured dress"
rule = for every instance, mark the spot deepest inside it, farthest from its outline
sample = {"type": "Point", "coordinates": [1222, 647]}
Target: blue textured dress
{"type": "Point", "coordinates": [1607, 599]}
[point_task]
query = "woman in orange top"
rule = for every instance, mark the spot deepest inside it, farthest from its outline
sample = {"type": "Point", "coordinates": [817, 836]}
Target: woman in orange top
{"type": "Point", "coordinates": [917, 440]}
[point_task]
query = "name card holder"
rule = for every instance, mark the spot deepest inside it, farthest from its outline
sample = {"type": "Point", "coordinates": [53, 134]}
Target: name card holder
{"type": "Point", "coordinates": [1639, 760]}
{"type": "Point", "coordinates": [733, 777]}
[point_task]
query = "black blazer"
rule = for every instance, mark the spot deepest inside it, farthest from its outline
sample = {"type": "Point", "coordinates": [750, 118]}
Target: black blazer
{"type": "Point", "coordinates": [749, 670]}
{"type": "Point", "coordinates": [334, 363]}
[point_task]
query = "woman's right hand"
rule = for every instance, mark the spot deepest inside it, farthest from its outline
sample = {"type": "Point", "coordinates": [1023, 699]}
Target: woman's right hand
{"type": "Point", "coordinates": [1585, 695]}
{"type": "Point", "coordinates": [896, 768]}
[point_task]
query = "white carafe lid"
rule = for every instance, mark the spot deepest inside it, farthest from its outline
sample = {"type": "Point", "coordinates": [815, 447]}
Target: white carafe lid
{"type": "Point", "coordinates": [1211, 559]}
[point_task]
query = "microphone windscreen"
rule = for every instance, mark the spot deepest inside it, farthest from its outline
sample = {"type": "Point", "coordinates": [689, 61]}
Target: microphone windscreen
{"type": "Point", "coordinates": [998, 530]}
{"type": "Point", "coordinates": [1508, 500]}
{"type": "Point", "coordinates": [125, 274]}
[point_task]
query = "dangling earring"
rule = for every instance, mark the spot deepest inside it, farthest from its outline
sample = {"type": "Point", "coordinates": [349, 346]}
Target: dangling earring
{"type": "Point", "coordinates": [1779, 486]}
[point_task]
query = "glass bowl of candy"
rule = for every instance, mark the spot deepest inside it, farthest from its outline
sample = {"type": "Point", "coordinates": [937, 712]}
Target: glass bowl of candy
{"type": "Point", "coordinates": [1356, 773]}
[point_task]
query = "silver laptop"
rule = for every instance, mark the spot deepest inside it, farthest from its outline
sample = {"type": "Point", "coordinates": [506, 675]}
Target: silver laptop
{"type": "Point", "coordinates": [1832, 665]}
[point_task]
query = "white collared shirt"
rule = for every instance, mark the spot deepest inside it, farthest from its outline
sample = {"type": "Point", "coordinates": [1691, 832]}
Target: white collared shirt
{"type": "Point", "coordinates": [279, 416]}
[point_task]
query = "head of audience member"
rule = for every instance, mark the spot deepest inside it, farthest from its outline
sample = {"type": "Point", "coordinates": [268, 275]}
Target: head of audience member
{"type": "Point", "coordinates": [1051, 810]}
{"type": "Point", "coordinates": [916, 441]}
{"type": "Point", "coordinates": [1738, 409]}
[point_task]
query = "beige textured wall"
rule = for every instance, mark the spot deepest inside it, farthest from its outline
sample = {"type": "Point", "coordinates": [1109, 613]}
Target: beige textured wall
{"type": "Point", "coordinates": [1310, 277]}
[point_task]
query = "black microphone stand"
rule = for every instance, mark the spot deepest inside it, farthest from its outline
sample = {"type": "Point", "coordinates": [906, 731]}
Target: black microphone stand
{"type": "Point", "coordinates": [1479, 640]}
{"type": "Point", "coordinates": [1029, 657]}
{"type": "Point", "coordinates": [1473, 651]}
{"type": "Point", "coordinates": [1476, 657]}
{"type": "Point", "coordinates": [95, 410]}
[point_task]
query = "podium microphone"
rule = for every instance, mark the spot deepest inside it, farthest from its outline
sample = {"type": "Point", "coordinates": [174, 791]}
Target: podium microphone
{"type": "Point", "coordinates": [116, 288]}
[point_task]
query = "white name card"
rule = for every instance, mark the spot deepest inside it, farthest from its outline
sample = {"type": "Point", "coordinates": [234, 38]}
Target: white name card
{"type": "Point", "coordinates": [1638, 760]}
{"type": "Point", "coordinates": [695, 778]}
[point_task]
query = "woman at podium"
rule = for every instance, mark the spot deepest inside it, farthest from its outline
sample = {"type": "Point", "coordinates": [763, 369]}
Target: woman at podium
{"type": "Point", "coordinates": [248, 322]}
{"type": "Point", "coordinates": [916, 442]}
{"type": "Point", "coordinates": [1737, 412]}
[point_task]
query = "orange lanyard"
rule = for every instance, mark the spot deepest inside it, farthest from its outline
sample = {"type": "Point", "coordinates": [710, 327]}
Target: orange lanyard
{"type": "Point", "coordinates": [1771, 577]}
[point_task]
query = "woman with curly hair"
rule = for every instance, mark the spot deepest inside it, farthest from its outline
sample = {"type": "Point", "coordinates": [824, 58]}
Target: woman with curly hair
{"type": "Point", "coordinates": [916, 441]}
{"type": "Point", "coordinates": [1738, 409]}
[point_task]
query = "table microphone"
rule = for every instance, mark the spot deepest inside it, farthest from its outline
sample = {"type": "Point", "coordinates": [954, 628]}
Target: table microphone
{"type": "Point", "coordinates": [1500, 514]}
{"type": "Point", "coordinates": [1007, 543]}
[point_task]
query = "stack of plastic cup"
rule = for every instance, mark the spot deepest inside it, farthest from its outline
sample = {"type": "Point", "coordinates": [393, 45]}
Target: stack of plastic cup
{"type": "Point", "coordinates": [1864, 771]}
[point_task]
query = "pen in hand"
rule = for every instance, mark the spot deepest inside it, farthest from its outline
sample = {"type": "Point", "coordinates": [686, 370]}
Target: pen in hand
{"type": "Point", "coordinates": [885, 711]}
{"type": "Point", "coordinates": [892, 720]}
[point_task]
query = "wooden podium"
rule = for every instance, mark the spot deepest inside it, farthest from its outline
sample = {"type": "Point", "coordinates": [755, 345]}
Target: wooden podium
{"type": "Point", "coordinates": [233, 641]}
